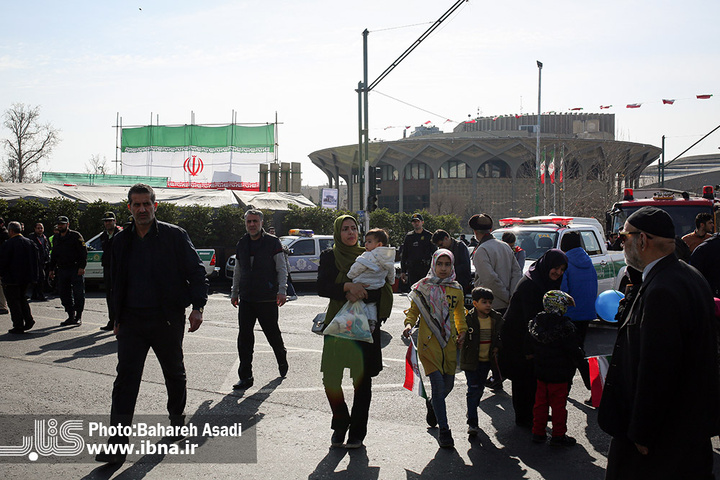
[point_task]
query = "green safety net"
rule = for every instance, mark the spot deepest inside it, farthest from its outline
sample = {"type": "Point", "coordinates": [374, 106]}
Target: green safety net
{"type": "Point", "coordinates": [93, 179]}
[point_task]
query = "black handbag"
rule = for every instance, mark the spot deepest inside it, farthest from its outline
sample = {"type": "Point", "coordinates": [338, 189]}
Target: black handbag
{"type": "Point", "coordinates": [318, 324]}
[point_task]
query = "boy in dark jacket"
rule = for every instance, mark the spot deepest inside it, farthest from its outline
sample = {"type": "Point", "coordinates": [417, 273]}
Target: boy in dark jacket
{"type": "Point", "coordinates": [556, 355]}
{"type": "Point", "coordinates": [481, 344]}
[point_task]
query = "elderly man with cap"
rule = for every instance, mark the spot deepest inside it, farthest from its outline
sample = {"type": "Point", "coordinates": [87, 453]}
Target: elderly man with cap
{"type": "Point", "coordinates": [67, 264]}
{"type": "Point", "coordinates": [110, 229]}
{"type": "Point", "coordinates": [495, 265]}
{"type": "Point", "coordinates": [660, 400]}
{"type": "Point", "coordinates": [417, 250]}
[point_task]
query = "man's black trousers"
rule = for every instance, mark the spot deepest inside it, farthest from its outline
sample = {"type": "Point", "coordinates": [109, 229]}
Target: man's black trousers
{"type": "Point", "coordinates": [72, 289]}
{"type": "Point", "coordinates": [267, 314]}
{"type": "Point", "coordinates": [18, 305]}
{"type": "Point", "coordinates": [139, 331]}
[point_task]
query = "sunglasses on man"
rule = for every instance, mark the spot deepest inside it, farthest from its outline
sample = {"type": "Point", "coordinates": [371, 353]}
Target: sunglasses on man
{"type": "Point", "coordinates": [623, 235]}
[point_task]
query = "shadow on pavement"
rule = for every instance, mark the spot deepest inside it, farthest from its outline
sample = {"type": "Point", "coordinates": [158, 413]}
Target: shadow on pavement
{"type": "Point", "coordinates": [232, 408]}
{"type": "Point", "coordinates": [84, 346]}
{"type": "Point", "coordinates": [357, 468]}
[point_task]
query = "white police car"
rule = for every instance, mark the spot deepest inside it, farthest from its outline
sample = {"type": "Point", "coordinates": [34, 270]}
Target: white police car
{"type": "Point", "coordinates": [304, 257]}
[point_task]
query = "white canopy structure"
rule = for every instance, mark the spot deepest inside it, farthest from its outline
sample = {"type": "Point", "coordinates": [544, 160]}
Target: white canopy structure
{"type": "Point", "coordinates": [84, 194]}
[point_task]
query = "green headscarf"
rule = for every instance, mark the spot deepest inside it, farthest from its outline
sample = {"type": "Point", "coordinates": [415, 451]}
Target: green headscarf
{"type": "Point", "coordinates": [344, 258]}
{"type": "Point", "coordinates": [344, 255]}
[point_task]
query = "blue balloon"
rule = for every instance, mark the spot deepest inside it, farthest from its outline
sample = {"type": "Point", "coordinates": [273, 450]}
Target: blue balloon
{"type": "Point", "coordinates": [607, 303]}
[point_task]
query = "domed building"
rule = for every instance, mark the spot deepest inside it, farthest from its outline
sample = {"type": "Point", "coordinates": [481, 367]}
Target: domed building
{"type": "Point", "coordinates": [488, 165]}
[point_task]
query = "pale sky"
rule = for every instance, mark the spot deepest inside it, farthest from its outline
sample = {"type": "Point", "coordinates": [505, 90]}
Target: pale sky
{"type": "Point", "coordinates": [84, 61]}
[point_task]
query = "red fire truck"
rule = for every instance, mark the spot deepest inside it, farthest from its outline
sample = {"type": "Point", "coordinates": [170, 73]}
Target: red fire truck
{"type": "Point", "coordinates": [682, 207]}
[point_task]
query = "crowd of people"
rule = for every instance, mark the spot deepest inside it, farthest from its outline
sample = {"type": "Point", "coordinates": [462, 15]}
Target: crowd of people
{"type": "Point", "coordinates": [662, 390]}
{"type": "Point", "coordinates": [531, 329]}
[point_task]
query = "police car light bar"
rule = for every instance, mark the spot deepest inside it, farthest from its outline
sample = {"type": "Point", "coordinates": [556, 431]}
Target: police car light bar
{"type": "Point", "coordinates": [504, 222]}
{"type": "Point", "coordinates": [561, 221]}
{"type": "Point", "coordinates": [300, 232]}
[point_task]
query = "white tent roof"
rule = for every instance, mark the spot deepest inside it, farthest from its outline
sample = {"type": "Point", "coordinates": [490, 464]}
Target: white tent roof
{"type": "Point", "coordinates": [179, 196]}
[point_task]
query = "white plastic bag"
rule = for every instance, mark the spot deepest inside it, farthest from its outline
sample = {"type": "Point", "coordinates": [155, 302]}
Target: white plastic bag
{"type": "Point", "coordinates": [350, 322]}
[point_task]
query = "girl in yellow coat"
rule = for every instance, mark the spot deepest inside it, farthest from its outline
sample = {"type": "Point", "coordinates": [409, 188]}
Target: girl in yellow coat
{"type": "Point", "coordinates": [437, 300]}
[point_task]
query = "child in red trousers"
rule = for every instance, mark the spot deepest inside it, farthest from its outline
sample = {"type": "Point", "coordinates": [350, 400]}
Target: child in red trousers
{"type": "Point", "coordinates": [556, 354]}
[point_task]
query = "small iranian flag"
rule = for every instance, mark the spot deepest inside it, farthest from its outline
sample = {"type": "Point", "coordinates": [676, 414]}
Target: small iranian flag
{"type": "Point", "coordinates": [413, 379]}
{"type": "Point", "coordinates": [598, 371]}
{"type": "Point", "coordinates": [551, 171]}
{"type": "Point", "coordinates": [542, 171]}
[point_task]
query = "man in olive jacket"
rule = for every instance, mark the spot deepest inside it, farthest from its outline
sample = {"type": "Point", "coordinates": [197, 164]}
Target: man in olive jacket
{"type": "Point", "coordinates": [660, 401]}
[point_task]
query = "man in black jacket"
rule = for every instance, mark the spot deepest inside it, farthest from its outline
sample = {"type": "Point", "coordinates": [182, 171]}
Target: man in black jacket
{"type": "Point", "coordinates": [67, 264]}
{"type": "Point", "coordinates": [155, 275]}
{"type": "Point", "coordinates": [417, 251]}
{"type": "Point", "coordinates": [661, 429]}
{"type": "Point", "coordinates": [3, 238]}
{"type": "Point", "coordinates": [18, 268]}
{"type": "Point", "coordinates": [706, 258]}
{"type": "Point", "coordinates": [259, 288]}
{"type": "Point", "coordinates": [109, 231]}
{"type": "Point", "coordinates": [460, 251]}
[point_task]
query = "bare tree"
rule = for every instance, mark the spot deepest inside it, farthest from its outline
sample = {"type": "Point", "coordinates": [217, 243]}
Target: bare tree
{"type": "Point", "coordinates": [96, 165]}
{"type": "Point", "coordinates": [592, 192]}
{"type": "Point", "coordinates": [447, 204]}
{"type": "Point", "coordinates": [29, 142]}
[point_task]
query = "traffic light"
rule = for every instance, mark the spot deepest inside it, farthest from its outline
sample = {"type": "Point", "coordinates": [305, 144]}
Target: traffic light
{"type": "Point", "coordinates": [373, 204]}
{"type": "Point", "coordinates": [377, 177]}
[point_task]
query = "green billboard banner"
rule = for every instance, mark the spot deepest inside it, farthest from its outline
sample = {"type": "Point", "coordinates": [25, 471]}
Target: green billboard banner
{"type": "Point", "coordinates": [256, 139]}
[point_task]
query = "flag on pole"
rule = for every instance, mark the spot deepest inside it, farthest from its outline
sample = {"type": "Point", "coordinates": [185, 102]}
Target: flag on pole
{"type": "Point", "coordinates": [603, 107]}
{"type": "Point", "coordinates": [413, 379]}
{"type": "Point", "coordinates": [704, 96]}
{"type": "Point", "coordinates": [562, 166]}
{"type": "Point", "coordinates": [542, 171]}
{"type": "Point", "coordinates": [551, 169]}
{"type": "Point", "coordinates": [668, 101]}
{"type": "Point", "coordinates": [634, 105]}
{"type": "Point", "coordinates": [575, 109]}
{"type": "Point", "coordinates": [598, 371]}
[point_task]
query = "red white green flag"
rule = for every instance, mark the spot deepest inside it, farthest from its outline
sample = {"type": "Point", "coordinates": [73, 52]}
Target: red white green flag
{"type": "Point", "coordinates": [197, 156]}
{"type": "Point", "coordinates": [413, 379]}
{"type": "Point", "coordinates": [598, 371]}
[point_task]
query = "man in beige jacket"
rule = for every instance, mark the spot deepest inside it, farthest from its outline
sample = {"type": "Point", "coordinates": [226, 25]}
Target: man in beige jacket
{"type": "Point", "coordinates": [495, 264]}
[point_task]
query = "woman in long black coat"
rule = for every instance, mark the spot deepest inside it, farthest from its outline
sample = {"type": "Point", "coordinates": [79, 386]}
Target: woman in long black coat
{"type": "Point", "coordinates": [516, 353]}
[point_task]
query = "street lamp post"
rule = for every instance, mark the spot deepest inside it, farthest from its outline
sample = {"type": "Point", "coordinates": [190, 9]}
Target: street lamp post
{"type": "Point", "coordinates": [363, 89]}
{"type": "Point", "coordinates": [537, 142]}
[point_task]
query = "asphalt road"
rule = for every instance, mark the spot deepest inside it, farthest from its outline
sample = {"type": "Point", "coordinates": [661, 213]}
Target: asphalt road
{"type": "Point", "coordinates": [55, 370]}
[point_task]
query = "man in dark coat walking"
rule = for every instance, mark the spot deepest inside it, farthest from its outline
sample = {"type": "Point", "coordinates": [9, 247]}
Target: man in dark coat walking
{"type": "Point", "coordinates": [18, 269]}
{"type": "Point", "coordinates": [660, 401]}
{"type": "Point", "coordinates": [156, 274]}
